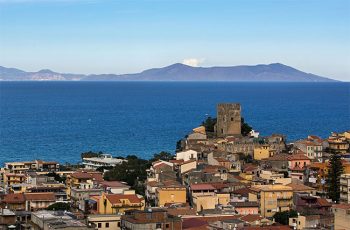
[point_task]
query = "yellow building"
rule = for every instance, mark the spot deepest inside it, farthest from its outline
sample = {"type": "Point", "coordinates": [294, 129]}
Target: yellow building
{"type": "Point", "coordinates": [170, 194]}
{"type": "Point", "coordinates": [272, 198]}
{"type": "Point", "coordinates": [206, 201]}
{"type": "Point", "coordinates": [13, 178]}
{"type": "Point", "coordinates": [341, 216]}
{"type": "Point", "coordinates": [262, 152]}
{"type": "Point", "coordinates": [119, 203]}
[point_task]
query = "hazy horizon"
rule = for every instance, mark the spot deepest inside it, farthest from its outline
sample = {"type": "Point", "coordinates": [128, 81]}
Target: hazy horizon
{"type": "Point", "coordinates": [94, 37]}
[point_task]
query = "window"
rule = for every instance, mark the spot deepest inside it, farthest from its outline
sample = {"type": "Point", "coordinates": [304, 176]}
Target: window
{"type": "Point", "coordinates": [158, 225]}
{"type": "Point", "coordinates": [231, 118]}
{"type": "Point", "coordinates": [167, 225]}
{"type": "Point", "coordinates": [107, 225]}
{"type": "Point", "coordinates": [118, 224]}
{"type": "Point", "coordinates": [99, 225]}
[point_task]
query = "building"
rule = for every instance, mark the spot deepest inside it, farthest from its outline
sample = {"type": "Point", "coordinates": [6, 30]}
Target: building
{"type": "Point", "coordinates": [7, 218]}
{"type": "Point", "coordinates": [170, 195]}
{"type": "Point", "coordinates": [341, 216]}
{"type": "Point", "coordinates": [272, 198]}
{"type": "Point", "coordinates": [187, 155]}
{"type": "Point", "coordinates": [228, 120]}
{"type": "Point", "coordinates": [46, 220]}
{"type": "Point", "coordinates": [152, 219]}
{"type": "Point", "coordinates": [338, 143]}
{"type": "Point", "coordinates": [37, 165]}
{"type": "Point", "coordinates": [312, 146]}
{"type": "Point", "coordinates": [119, 203]}
{"type": "Point", "coordinates": [345, 188]}
{"type": "Point", "coordinates": [262, 152]}
{"type": "Point", "coordinates": [104, 222]}
{"type": "Point", "coordinates": [245, 208]}
{"type": "Point", "coordinates": [105, 160]}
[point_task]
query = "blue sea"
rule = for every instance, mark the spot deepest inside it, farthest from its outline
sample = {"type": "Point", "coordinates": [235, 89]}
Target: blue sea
{"type": "Point", "coordinates": [60, 120]}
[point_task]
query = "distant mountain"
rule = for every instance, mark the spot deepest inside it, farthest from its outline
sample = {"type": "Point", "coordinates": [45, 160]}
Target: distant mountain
{"type": "Point", "coordinates": [177, 72]}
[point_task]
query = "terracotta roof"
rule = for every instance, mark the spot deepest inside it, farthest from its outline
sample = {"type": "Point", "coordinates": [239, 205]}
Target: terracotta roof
{"type": "Point", "coordinates": [116, 198]}
{"type": "Point", "coordinates": [88, 175]}
{"type": "Point", "coordinates": [193, 222]}
{"type": "Point", "coordinates": [196, 187]}
{"type": "Point", "coordinates": [251, 218]}
{"type": "Point", "coordinates": [14, 198]}
{"type": "Point", "coordinates": [341, 206]}
{"type": "Point", "coordinates": [176, 161]}
{"type": "Point", "coordinates": [323, 202]}
{"type": "Point", "coordinates": [161, 165]}
{"type": "Point", "coordinates": [219, 159]}
{"type": "Point", "coordinates": [181, 211]}
{"type": "Point", "coordinates": [298, 156]}
{"type": "Point", "coordinates": [299, 187]}
{"type": "Point", "coordinates": [44, 196]}
{"type": "Point", "coordinates": [242, 191]}
{"type": "Point", "coordinates": [113, 184]}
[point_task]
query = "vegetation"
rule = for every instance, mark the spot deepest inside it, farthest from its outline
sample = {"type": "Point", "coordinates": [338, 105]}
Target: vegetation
{"type": "Point", "coordinates": [335, 169]}
{"type": "Point", "coordinates": [90, 154]}
{"type": "Point", "coordinates": [132, 171]}
{"type": "Point", "coordinates": [165, 156]}
{"type": "Point", "coordinates": [245, 128]}
{"type": "Point", "coordinates": [210, 122]}
{"type": "Point", "coordinates": [283, 217]}
{"type": "Point", "coordinates": [57, 177]}
{"type": "Point", "coordinates": [59, 206]}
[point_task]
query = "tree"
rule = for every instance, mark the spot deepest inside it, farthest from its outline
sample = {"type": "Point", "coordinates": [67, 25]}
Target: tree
{"type": "Point", "coordinates": [245, 128]}
{"type": "Point", "coordinates": [59, 206]}
{"type": "Point", "coordinates": [165, 156]}
{"type": "Point", "coordinates": [335, 169]}
{"type": "Point", "coordinates": [283, 217]}
{"type": "Point", "coordinates": [209, 124]}
{"type": "Point", "coordinates": [57, 177]}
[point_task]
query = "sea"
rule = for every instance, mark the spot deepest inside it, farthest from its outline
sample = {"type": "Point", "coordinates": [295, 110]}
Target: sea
{"type": "Point", "coordinates": [60, 120]}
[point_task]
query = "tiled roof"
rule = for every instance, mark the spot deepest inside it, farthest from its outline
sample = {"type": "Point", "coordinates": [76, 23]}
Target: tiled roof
{"type": "Point", "coordinates": [251, 218]}
{"type": "Point", "coordinates": [323, 202]}
{"type": "Point", "coordinates": [88, 175]}
{"type": "Point", "coordinates": [299, 187]}
{"type": "Point", "coordinates": [44, 196]}
{"type": "Point", "coordinates": [14, 198]}
{"type": "Point", "coordinates": [341, 206]}
{"type": "Point", "coordinates": [193, 222]}
{"type": "Point", "coordinates": [116, 198]}
{"type": "Point", "coordinates": [242, 191]}
{"type": "Point", "coordinates": [298, 156]}
{"type": "Point", "coordinates": [113, 184]}
{"type": "Point", "coordinates": [197, 187]}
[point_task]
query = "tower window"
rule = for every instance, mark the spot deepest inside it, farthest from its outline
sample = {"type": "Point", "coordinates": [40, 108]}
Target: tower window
{"type": "Point", "coordinates": [231, 118]}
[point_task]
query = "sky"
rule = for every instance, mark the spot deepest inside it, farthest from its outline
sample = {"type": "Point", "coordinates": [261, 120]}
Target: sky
{"type": "Point", "coordinates": [126, 36]}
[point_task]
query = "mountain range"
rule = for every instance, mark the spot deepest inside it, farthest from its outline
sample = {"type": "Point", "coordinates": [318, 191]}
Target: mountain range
{"type": "Point", "coordinates": [275, 72]}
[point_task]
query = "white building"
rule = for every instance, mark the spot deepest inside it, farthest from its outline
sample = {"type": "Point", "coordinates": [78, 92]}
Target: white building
{"type": "Point", "coordinates": [254, 133]}
{"type": "Point", "coordinates": [186, 155]}
{"type": "Point", "coordinates": [105, 160]}
{"type": "Point", "coordinates": [345, 188]}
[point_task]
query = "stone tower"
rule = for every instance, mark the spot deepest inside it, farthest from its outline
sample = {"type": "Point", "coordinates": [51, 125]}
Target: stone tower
{"type": "Point", "coordinates": [228, 119]}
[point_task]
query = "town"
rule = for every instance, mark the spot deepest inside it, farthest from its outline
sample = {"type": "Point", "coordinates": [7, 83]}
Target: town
{"type": "Point", "coordinates": [224, 175]}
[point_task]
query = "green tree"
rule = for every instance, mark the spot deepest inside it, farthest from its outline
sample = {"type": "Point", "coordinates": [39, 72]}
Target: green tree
{"type": "Point", "coordinates": [132, 171]}
{"type": "Point", "coordinates": [245, 128]}
{"type": "Point", "coordinates": [59, 206]}
{"type": "Point", "coordinates": [283, 217]}
{"type": "Point", "coordinates": [165, 156]}
{"type": "Point", "coordinates": [209, 124]}
{"type": "Point", "coordinates": [57, 177]}
{"type": "Point", "coordinates": [335, 169]}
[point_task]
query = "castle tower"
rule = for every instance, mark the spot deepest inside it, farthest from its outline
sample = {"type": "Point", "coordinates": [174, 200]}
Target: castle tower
{"type": "Point", "coordinates": [228, 119]}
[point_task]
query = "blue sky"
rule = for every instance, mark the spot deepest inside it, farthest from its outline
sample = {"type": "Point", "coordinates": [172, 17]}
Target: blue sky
{"type": "Point", "coordinates": [123, 36]}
